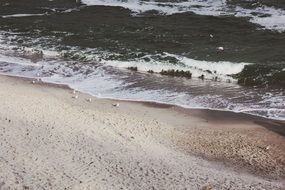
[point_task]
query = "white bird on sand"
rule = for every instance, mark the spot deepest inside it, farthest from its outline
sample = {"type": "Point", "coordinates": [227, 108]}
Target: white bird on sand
{"type": "Point", "coordinates": [75, 97]}
{"type": "Point", "coordinates": [38, 77]}
{"type": "Point", "coordinates": [267, 148]}
{"type": "Point", "coordinates": [74, 92]}
{"type": "Point", "coordinates": [89, 99]}
{"type": "Point", "coordinates": [116, 105]}
{"type": "Point", "coordinates": [34, 82]}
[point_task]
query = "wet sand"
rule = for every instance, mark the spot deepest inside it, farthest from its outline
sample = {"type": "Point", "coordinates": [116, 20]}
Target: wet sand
{"type": "Point", "coordinates": [52, 139]}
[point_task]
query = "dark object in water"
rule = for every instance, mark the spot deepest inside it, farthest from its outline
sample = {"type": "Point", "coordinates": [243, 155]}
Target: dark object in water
{"type": "Point", "coordinates": [201, 77]}
{"type": "Point", "coordinates": [176, 73]}
{"type": "Point", "coordinates": [133, 68]}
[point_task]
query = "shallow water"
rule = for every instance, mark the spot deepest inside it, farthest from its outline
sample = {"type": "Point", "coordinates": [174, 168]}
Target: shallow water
{"type": "Point", "coordinates": [90, 47]}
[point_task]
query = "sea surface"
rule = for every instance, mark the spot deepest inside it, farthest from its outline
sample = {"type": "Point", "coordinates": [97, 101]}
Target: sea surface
{"type": "Point", "coordinates": [238, 46]}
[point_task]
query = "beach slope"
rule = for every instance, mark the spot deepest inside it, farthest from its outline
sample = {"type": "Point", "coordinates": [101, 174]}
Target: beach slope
{"type": "Point", "coordinates": [51, 138]}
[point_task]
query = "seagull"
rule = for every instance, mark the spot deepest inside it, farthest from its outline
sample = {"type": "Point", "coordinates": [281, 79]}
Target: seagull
{"type": "Point", "coordinates": [34, 82]}
{"type": "Point", "coordinates": [74, 92]}
{"type": "Point", "coordinates": [220, 48]}
{"type": "Point", "coordinates": [267, 148]}
{"type": "Point", "coordinates": [75, 97]}
{"type": "Point", "coordinates": [116, 105]}
{"type": "Point", "coordinates": [89, 99]}
{"type": "Point", "coordinates": [38, 77]}
{"type": "Point", "coordinates": [211, 35]}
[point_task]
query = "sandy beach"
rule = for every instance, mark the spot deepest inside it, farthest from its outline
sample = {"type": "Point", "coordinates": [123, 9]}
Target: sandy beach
{"type": "Point", "coordinates": [51, 138]}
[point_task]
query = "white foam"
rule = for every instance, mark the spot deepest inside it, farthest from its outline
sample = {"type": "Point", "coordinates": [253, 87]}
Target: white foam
{"type": "Point", "coordinates": [18, 61]}
{"type": "Point", "coordinates": [209, 69]}
{"type": "Point", "coordinates": [22, 15]}
{"type": "Point", "coordinates": [273, 21]}
{"type": "Point", "coordinates": [104, 84]}
{"type": "Point", "coordinates": [219, 69]}
{"type": "Point", "coordinates": [163, 7]}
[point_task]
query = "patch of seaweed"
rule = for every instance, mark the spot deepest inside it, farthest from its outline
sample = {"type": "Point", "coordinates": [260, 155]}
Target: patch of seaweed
{"type": "Point", "coordinates": [176, 73]}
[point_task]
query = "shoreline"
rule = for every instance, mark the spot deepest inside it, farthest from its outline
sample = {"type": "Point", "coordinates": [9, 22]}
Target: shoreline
{"type": "Point", "coordinates": [226, 142]}
{"type": "Point", "coordinates": [207, 111]}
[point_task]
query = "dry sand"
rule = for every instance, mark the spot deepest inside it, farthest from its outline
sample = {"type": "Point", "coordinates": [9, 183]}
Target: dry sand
{"type": "Point", "coordinates": [49, 140]}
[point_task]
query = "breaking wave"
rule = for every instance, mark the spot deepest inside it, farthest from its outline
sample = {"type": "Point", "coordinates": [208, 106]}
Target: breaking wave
{"type": "Point", "coordinates": [268, 17]}
{"type": "Point", "coordinates": [104, 80]}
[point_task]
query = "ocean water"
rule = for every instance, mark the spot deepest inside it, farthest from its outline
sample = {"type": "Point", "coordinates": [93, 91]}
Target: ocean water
{"type": "Point", "coordinates": [90, 45]}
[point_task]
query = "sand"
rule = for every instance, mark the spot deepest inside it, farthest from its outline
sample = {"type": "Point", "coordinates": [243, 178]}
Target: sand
{"type": "Point", "coordinates": [50, 139]}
